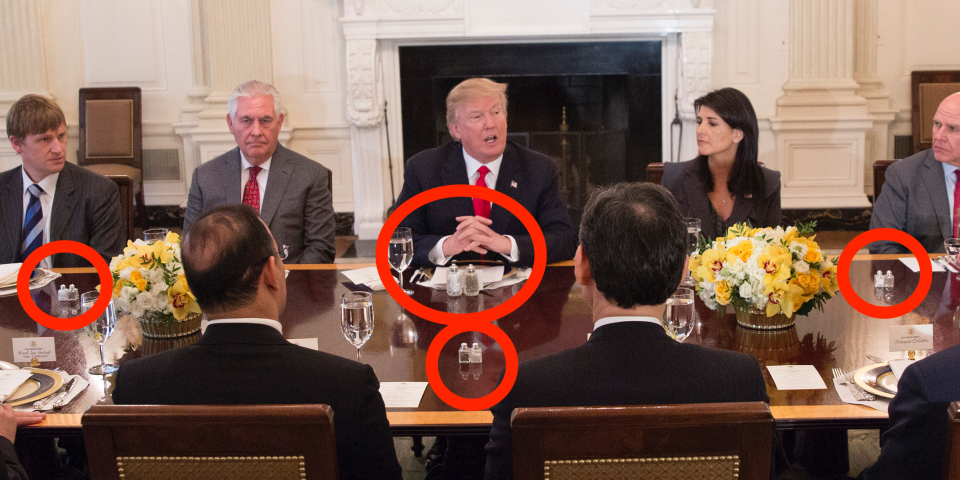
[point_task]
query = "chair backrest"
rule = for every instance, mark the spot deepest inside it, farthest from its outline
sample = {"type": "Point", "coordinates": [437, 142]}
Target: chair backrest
{"type": "Point", "coordinates": [951, 455]}
{"type": "Point", "coordinates": [186, 442]}
{"type": "Point", "coordinates": [655, 172]}
{"type": "Point", "coordinates": [712, 440]}
{"type": "Point", "coordinates": [928, 89]}
{"type": "Point", "coordinates": [111, 129]}
{"type": "Point", "coordinates": [879, 176]}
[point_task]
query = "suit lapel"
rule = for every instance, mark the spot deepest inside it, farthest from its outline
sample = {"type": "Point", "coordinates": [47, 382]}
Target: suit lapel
{"type": "Point", "coordinates": [64, 203]}
{"type": "Point", "coordinates": [11, 217]}
{"type": "Point", "coordinates": [454, 172]}
{"type": "Point", "coordinates": [232, 189]}
{"type": "Point", "coordinates": [933, 179]}
{"type": "Point", "coordinates": [276, 184]}
{"type": "Point", "coordinates": [508, 176]}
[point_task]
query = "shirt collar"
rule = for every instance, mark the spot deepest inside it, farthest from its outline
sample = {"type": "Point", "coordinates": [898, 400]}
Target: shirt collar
{"type": "Point", "coordinates": [244, 164]}
{"type": "Point", "coordinates": [473, 164]}
{"type": "Point", "coordinates": [609, 320]}
{"type": "Point", "coordinates": [249, 321]}
{"type": "Point", "coordinates": [48, 184]}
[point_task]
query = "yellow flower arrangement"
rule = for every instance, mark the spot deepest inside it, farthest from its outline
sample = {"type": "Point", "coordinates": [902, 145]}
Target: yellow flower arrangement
{"type": "Point", "coordinates": [148, 280]}
{"type": "Point", "coordinates": [776, 270]}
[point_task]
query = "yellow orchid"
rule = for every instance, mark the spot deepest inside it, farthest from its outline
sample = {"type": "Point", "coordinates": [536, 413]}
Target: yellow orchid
{"type": "Point", "coordinates": [776, 261]}
{"type": "Point", "coordinates": [160, 252]}
{"type": "Point", "coordinates": [723, 292]}
{"type": "Point", "coordinates": [694, 266]}
{"type": "Point", "coordinates": [172, 237]}
{"type": "Point", "coordinates": [711, 262]}
{"type": "Point", "coordinates": [791, 234]}
{"type": "Point", "coordinates": [182, 299]}
{"type": "Point", "coordinates": [828, 280]}
{"type": "Point", "coordinates": [783, 298]}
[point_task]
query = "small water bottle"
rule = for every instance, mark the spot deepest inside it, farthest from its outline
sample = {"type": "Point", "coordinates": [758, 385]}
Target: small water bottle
{"type": "Point", "coordinates": [471, 282]}
{"type": "Point", "coordinates": [464, 353]}
{"type": "Point", "coordinates": [476, 355]}
{"type": "Point", "coordinates": [878, 280]}
{"type": "Point", "coordinates": [69, 301]}
{"type": "Point", "coordinates": [476, 369]}
{"type": "Point", "coordinates": [454, 285]}
{"type": "Point", "coordinates": [888, 280]}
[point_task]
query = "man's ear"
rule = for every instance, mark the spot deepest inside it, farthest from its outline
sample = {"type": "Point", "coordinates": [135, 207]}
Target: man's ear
{"type": "Point", "coordinates": [581, 267]}
{"type": "Point", "coordinates": [454, 130]}
{"type": "Point", "coordinates": [269, 274]}
{"type": "Point", "coordinates": [17, 146]}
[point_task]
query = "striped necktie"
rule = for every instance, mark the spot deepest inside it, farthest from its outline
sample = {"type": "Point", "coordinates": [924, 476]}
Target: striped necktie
{"type": "Point", "coordinates": [32, 223]}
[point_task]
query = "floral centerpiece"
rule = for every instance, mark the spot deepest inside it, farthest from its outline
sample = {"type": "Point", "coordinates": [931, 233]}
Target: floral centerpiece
{"type": "Point", "coordinates": [764, 272]}
{"type": "Point", "coordinates": [148, 283]}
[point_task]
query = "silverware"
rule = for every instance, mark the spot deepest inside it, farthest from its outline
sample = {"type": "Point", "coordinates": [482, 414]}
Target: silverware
{"type": "Point", "coordinates": [41, 404]}
{"type": "Point", "coordinates": [59, 401]}
{"type": "Point", "coordinates": [874, 358]}
{"type": "Point", "coordinates": [417, 275]}
{"type": "Point", "coordinates": [948, 264]}
{"type": "Point", "coordinates": [857, 392]}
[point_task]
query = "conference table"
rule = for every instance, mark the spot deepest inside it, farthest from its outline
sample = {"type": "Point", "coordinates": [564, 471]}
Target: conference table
{"type": "Point", "coordinates": [555, 318]}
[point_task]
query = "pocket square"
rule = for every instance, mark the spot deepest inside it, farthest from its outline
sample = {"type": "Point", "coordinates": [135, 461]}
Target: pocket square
{"type": "Point", "coordinates": [513, 183]}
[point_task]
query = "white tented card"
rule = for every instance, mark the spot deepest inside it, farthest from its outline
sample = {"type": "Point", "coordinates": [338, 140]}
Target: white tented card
{"type": "Point", "coordinates": [41, 348]}
{"type": "Point", "coordinates": [911, 337]}
{"type": "Point", "coordinates": [402, 394]}
{"type": "Point", "coordinates": [310, 343]}
{"type": "Point", "coordinates": [796, 377]}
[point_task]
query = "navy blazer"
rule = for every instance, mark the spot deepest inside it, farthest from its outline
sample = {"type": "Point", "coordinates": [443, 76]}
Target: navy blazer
{"type": "Point", "coordinates": [683, 181]}
{"type": "Point", "coordinates": [243, 364]}
{"type": "Point", "coordinates": [526, 176]}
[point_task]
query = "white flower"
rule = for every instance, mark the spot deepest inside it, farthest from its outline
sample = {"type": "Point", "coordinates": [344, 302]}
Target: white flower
{"type": "Point", "coordinates": [801, 267]}
{"type": "Point", "coordinates": [746, 290]}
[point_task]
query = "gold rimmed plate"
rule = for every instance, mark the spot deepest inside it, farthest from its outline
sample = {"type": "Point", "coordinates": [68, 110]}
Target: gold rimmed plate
{"type": "Point", "coordinates": [509, 271]}
{"type": "Point", "coordinates": [877, 379]}
{"type": "Point", "coordinates": [39, 385]}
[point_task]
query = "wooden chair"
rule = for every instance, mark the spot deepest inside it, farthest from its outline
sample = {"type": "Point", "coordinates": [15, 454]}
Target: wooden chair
{"type": "Point", "coordinates": [928, 89]}
{"type": "Point", "coordinates": [238, 442]}
{"type": "Point", "coordinates": [655, 172]}
{"type": "Point", "coordinates": [712, 440]}
{"type": "Point", "coordinates": [111, 141]}
{"type": "Point", "coordinates": [951, 455]}
{"type": "Point", "coordinates": [879, 176]}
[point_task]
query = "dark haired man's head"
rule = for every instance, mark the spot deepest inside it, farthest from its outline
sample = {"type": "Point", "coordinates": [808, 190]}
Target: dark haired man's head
{"type": "Point", "coordinates": [224, 255]}
{"type": "Point", "coordinates": [634, 239]}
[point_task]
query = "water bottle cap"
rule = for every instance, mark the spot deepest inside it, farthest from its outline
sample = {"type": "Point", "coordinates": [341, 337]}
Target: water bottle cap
{"type": "Point", "coordinates": [476, 345]}
{"type": "Point", "coordinates": [463, 345]}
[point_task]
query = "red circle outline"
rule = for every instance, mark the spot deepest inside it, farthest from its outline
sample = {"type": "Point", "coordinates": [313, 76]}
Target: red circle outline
{"type": "Point", "coordinates": [509, 372]}
{"type": "Point", "coordinates": [76, 248]}
{"type": "Point", "coordinates": [877, 311]}
{"type": "Point", "coordinates": [450, 191]}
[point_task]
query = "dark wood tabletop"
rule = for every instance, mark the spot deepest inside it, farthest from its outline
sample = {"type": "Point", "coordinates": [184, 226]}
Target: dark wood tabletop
{"type": "Point", "coordinates": [555, 318]}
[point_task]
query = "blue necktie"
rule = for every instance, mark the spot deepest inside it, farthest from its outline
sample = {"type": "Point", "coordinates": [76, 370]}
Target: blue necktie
{"type": "Point", "coordinates": [32, 223]}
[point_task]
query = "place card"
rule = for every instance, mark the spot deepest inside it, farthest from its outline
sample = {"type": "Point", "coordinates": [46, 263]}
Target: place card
{"type": "Point", "coordinates": [40, 348]}
{"type": "Point", "coordinates": [796, 377]}
{"type": "Point", "coordinates": [364, 276]}
{"type": "Point", "coordinates": [911, 337]}
{"type": "Point", "coordinates": [402, 394]}
{"type": "Point", "coordinates": [914, 265]}
{"type": "Point", "coordinates": [310, 343]}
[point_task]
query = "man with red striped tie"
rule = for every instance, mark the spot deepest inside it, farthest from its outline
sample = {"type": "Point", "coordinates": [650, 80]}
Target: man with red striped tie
{"type": "Point", "coordinates": [467, 228]}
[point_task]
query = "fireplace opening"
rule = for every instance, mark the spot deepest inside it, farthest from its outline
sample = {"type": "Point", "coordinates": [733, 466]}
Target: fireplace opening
{"type": "Point", "coordinates": [595, 107]}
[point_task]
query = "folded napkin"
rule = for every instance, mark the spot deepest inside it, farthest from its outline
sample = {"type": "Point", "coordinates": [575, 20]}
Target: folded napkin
{"type": "Point", "coordinates": [8, 272]}
{"type": "Point", "coordinates": [881, 403]}
{"type": "Point", "coordinates": [36, 283]}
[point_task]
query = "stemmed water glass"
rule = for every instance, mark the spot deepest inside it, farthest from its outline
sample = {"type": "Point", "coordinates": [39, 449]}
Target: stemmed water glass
{"type": "Point", "coordinates": [100, 329]}
{"type": "Point", "coordinates": [401, 253]}
{"type": "Point", "coordinates": [356, 318]}
{"type": "Point", "coordinates": [693, 240]}
{"type": "Point", "coordinates": [679, 317]}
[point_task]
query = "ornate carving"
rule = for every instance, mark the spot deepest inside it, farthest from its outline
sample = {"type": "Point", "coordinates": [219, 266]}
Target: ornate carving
{"type": "Point", "coordinates": [357, 5]}
{"type": "Point", "coordinates": [365, 96]}
{"type": "Point", "coordinates": [625, 5]}
{"type": "Point", "coordinates": [697, 48]}
{"type": "Point", "coordinates": [409, 8]}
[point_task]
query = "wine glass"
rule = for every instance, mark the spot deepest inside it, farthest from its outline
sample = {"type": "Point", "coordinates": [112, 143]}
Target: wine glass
{"type": "Point", "coordinates": [401, 253]}
{"type": "Point", "coordinates": [356, 318]}
{"type": "Point", "coordinates": [693, 239]}
{"type": "Point", "coordinates": [100, 329]}
{"type": "Point", "coordinates": [679, 317]}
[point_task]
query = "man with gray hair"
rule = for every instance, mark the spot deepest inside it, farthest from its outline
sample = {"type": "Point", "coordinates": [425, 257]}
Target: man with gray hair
{"type": "Point", "coordinates": [290, 192]}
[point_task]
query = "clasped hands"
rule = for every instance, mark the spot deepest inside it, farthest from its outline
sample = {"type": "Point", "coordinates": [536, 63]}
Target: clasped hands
{"type": "Point", "coordinates": [474, 235]}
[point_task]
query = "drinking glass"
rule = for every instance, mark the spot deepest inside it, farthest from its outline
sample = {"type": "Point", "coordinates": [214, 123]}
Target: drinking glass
{"type": "Point", "coordinates": [952, 247]}
{"type": "Point", "coordinates": [401, 253]}
{"type": "Point", "coordinates": [100, 329]}
{"type": "Point", "coordinates": [679, 317]}
{"type": "Point", "coordinates": [153, 234]}
{"type": "Point", "coordinates": [356, 318]}
{"type": "Point", "coordinates": [693, 239]}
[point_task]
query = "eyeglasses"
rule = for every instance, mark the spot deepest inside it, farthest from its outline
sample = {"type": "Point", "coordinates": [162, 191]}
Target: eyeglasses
{"type": "Point", "coordinates": [282, 253]}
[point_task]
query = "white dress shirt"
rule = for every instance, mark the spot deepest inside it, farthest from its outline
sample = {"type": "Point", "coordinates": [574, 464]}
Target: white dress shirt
{"type": "Point", "coordinates": [951, 181]}
{"type": "Point", "coordinates": [254, 321]}
{"type": "Point", "coordinates": [49, 186]}
{"type": "Point", "coordinates": [609, 320]}
{"type": "Point", "coordinates": [261, 177]}
{"type": "Point", "coordinates": [436, 254]}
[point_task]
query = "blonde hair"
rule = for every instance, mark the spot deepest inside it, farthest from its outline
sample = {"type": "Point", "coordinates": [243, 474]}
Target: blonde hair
{"type": "Point", "coordinates": [254, 88]}
{"type": "Point", "coordinates": [33, 115]}
{"type": "Point", "coordinates": [471, 89]}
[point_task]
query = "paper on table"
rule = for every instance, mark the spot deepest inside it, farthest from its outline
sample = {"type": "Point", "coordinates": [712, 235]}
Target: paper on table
{"type": "Point", "coordinates": [843, 391]}
{"type": "Point", "coordinates": [402, 394]}
{"type": "Point", "coordinates": [10, 381]}
{"type": "Point", "coordinates": [9, 272]}
{"type": "Point", "coordinates": [914, 266]}
{"type": "Point", "coordinates": [364, 276]}
{"type": "Point", "coordinates": [487, 274]}
{"type": "Point", "coordinates": [796, 377]}
{"type": "Point", "coordinates": [36, 283]}
{"type": "Point", "coordinates": [897, 366]}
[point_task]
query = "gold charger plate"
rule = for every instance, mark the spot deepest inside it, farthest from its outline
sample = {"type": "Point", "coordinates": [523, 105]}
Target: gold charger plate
{"type": "Point", "coordinates": [877, 379]}
{"type": "Point", "coordinates": [428, 273]}
{"type": "Point", "coordinates": [39, 385]}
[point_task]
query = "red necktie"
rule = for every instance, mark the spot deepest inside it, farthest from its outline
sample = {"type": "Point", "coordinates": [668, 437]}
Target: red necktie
{"type": "Point", "coordinates": [481, 207]}
{"type": "Point", "coordinates": [251, 192]}
{"type": "Point", "coordinates": [956, 204]}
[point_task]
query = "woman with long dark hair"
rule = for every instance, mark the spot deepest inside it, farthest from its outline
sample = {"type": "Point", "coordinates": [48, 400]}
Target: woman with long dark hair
{"type": "Point", "coordinates": [725, 185]}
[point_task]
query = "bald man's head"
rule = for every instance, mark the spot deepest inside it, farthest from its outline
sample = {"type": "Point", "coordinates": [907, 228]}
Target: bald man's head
{"type": "Point", "coordinates": [946, 131]}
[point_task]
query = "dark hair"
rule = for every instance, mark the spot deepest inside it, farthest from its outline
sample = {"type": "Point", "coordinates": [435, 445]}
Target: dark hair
{"type": "Point", "coordinates": [634, 237]}
{"type": "Point", "coordinates": [735, 108]}
{"type": "Point", "coordinates": [33, 115]}
{"type": "Point", "coordinates": [223, 257]}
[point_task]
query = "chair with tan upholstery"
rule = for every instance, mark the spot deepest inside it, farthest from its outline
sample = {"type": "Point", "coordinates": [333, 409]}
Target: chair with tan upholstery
{"type": "Point", "coordinates": [928, 89]}
{"type": "Point", "coordinates": [111, 143]}
{"type": "Point", "coordinates": [235, 442]}
{"type": "Point", "coordinates": [655, 172]}
{"type": "Point", "coordinates": [676, 442]}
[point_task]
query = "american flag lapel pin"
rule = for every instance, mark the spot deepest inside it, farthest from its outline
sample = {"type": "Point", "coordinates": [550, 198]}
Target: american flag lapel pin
{"type": "Point", "coordinates": [513, 184]}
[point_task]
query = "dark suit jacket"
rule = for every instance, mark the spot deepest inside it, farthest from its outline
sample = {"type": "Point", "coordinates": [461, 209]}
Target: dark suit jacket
{"type": "Point", "coordinates": [914, 200]}
{"type": "Point", "coordinates": [535, 176]}
{"type": "Point", "coordinates": [253, 364]}
{"type": "Point", "coordinates": [11, 470]}
{"type": "Point", "coordinates": [86, 209]}
{"type": "Point", "coordinates": [912, 446]}
{"type": "Point", "coordinates": [683, 181]}
{"type": "Point", "coordinates": [297, 205]}
{"type": "Point", "coordinates": [630, 363]}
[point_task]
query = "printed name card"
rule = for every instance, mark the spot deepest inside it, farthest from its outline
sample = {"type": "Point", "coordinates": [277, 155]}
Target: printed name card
{"type": "Point", "coordinates": [911, 337]}
{"type": "Point", "coordinates": [796, 377]}
{"type": "Point", "coordinates": [310, 343]}
{"type": "Point", "coordinates": [402, 394]}
{"type": "Point", "coordinates": [41, 348]}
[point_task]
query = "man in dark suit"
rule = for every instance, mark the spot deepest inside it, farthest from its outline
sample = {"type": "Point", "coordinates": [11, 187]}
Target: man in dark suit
{"type": "Point", "coordinates": [48, 198]}
{"type": "Point", "coordinates": [233, 267]}
{"type": "Point", "coordinates": [920, 193]}
{"type": "Point", "coordinates": [466, 228]}
{"type": "Point", "coordinates": [290, 192]}
{"type": "Point", "coordinates": [631, 258]}
{"type": "Point", "coordinates": [9, 421]}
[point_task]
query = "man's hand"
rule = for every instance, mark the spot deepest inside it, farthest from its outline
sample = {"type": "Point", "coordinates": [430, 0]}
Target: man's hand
{"type": "Point", "coordinates": [474, 235]}
{"type": "Point", "coordinates": [10, 420]}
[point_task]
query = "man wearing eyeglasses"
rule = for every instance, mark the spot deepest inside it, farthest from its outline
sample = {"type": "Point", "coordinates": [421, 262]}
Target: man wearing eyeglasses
{"type": "Point", "coordinates": [233, 267]}
{"type": "Point", "coordinates": [290, 192]}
